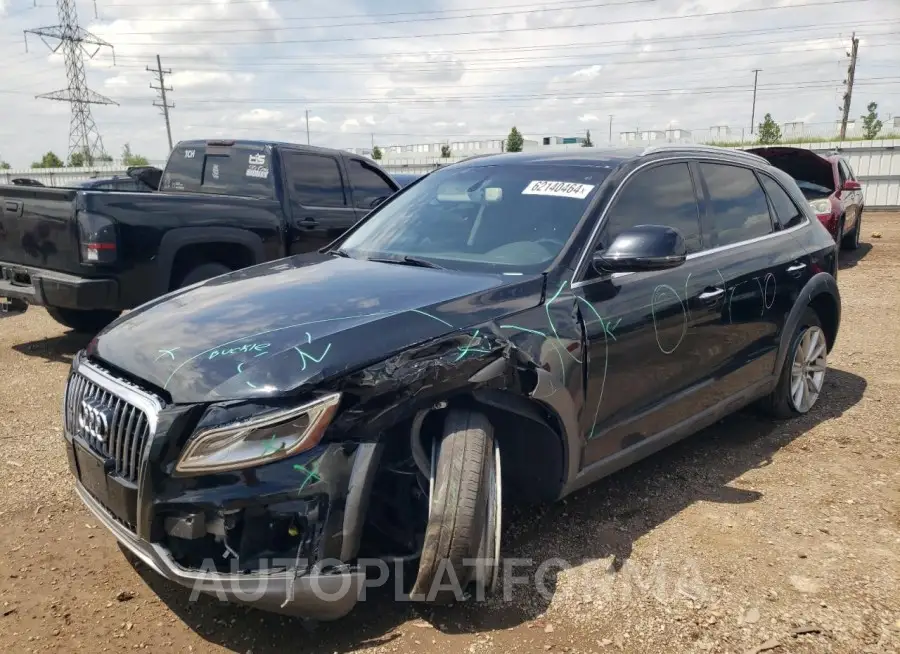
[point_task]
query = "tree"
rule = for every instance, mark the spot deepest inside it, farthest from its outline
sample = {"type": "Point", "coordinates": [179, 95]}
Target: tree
{"type": "Point", "coordinates": [514, 142]}
{"type": "Point", "coordinates": [105, 158]}
{"type": "Point", "coordinates": [376, 153]}
{"type": "Point", "coordinates": [4, 165]}
{"type": "Point", "coordinates": [77, 160]}
{"type": "Point", "coordinates": [769, 131]}
{"type": "Point", "coordinates": [587, 140]}
{"type": "Point", "coordinates": [49, 160]}
{"type": "Point", "coordinates": [131, 159]}
{"type": "Point", "coordinates": [445, 151]}
{"type": "Point", "coordinates": [871, 124]}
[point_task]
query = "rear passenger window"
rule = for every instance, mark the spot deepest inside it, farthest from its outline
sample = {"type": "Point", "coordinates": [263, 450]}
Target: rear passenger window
{"type": "Point", "coordinates": [738, 210]}
{"type": "Point", "coordinates": [368, 184]}
{"type": "Point", "coordinates": [786, 212]}
{"type": "Point", "coordinates": [314, 180]}
{"type": "Point", "coordinates": [662, 195]}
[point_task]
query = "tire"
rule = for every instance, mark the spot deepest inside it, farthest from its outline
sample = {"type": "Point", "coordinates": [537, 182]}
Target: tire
{"type": "Point", "coordinates": [851, 240]}
{"type": "Point", "coordinates": [780, 403]}
{"type": "Point", "coordinates": [82, 321]}
{"type": "Point", "coordinates": [203, 272]}
{"type": "Point", "coordinates": [460, 509]}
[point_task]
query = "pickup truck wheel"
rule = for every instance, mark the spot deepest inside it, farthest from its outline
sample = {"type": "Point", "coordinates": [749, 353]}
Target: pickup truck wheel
{"type": "Point", "coordinates": [851, 240]}
{"type": "Point", "coordinates": [202, 273]}
{"type": "Point", "coordinates": [803, 373]}
{"type": "Point", "coordinates": [87, 322]}
{"type": "Point", "coordinates": [464, 518]}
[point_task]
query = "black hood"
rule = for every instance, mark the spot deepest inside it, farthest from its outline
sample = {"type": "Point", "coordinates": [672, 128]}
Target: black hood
{"type": "Point", "coordinates": [271, 329]}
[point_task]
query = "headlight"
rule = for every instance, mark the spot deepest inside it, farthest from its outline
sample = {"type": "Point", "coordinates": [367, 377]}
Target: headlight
{"type": "Point", "coordinates": [821, 206]}
{"type": "Point", "coordinates": [257, 441]}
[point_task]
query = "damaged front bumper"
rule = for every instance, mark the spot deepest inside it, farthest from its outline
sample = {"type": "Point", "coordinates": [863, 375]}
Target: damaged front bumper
{"type": "Point", "coordinates": [327, 596]}
{"type": "Point", "coordinates": [281, 537]}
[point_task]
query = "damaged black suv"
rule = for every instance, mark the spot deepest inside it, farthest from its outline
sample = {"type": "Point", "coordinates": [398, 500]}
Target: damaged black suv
{"type": "Point", "coordinates": [263, 434]}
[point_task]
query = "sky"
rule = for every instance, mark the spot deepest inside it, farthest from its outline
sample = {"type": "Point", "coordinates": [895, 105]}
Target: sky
{"type": "Point", "coordinates": [401, 72]}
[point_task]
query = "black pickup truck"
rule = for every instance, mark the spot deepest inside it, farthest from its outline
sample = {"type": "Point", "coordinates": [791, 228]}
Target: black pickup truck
{"type": "Point", "coordinates": [87, 255]}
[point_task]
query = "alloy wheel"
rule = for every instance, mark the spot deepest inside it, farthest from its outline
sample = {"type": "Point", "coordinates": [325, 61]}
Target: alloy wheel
{"type": "Point", "coordinates": [808, 369]}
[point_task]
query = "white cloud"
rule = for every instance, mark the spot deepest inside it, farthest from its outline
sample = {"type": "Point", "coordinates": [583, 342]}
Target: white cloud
{"type": "Point", "coordinates": [590, 72]}
{"type": "Point", "coordinates": [588, 118]}
{"type": "Point", "coordinates": [260, 116]}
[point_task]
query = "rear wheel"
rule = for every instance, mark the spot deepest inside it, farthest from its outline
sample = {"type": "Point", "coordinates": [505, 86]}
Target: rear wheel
{"type": "Point", "coordinates": [80, 320]}
{"type": "Point", "coordinates": [803, 374]}
{"type": "Point", "coordinates": [203, 272]}
{"type": "Point", "coordinates": [851, 240]}
{"type": "Point", "coordinates": [462, 538]}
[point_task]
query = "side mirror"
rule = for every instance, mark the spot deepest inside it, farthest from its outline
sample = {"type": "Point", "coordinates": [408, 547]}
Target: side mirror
{"type": "Point", "coordinates": [851, 185]}
{"type": "Point", "coordinates": [641, 248]}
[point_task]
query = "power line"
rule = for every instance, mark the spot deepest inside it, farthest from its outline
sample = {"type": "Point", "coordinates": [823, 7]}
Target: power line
{"type": "Point", "coordinates": [519, 9]}
{"type": "Point", "coordinates": [162, 89]}
{"type": "Point", "coordinates": [654, 19]}
{"type": "Point", "coordinates": [534, 48]}
{"type": "Point", "coordinates": [516, 65]}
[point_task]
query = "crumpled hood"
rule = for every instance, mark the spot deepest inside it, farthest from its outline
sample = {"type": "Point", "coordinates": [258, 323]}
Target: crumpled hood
{"type": "Point", "coordinates": [270, 329]}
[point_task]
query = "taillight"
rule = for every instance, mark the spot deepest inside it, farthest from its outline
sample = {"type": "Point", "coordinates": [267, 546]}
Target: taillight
{"type": "Point", "coordinates": [97, 238]}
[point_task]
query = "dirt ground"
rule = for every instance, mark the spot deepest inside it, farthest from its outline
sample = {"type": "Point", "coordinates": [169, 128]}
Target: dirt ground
{"type": "Point", "coordinates": [748, 537]}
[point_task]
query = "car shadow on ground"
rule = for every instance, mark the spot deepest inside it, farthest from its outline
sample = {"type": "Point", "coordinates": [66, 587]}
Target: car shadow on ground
{"type": "Point", "coordinates": [56, 349]}
{"type": "Point", "coordinates": [849, 258]}
{"type": "Point", "coordinates": [599, 522]}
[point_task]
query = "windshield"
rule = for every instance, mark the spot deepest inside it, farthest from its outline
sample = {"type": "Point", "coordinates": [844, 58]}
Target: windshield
{"type": "Point", "coordinates": [500, 218]}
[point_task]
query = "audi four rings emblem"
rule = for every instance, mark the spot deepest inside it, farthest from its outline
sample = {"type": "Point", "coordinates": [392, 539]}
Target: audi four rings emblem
{"type": "Point", "coordinates": [93, 420]}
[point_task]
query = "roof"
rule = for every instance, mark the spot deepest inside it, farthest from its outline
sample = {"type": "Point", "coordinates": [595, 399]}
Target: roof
{"type": "Point", "coordinates": [604, 156]}
{"type": "Point", "coordinates": [261, 144]}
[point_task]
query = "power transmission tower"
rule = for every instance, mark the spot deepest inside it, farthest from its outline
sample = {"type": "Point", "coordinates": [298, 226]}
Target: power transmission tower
{"type": "Point", "coordinates": [851, 73]}
{"type": "Point", "coordinates": [162, 88]}
{"type": "Point", "coordinates": [756, 72]}
{"type": "Point", "coordinates": [84, 138]}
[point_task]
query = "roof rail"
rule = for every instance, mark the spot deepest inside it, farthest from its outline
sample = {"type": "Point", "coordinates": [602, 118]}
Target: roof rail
{"type": "Point", "coordinates": [692, 147]}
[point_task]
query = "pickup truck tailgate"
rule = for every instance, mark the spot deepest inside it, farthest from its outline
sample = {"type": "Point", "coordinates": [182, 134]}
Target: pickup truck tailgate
{"type": "Point", "coordinates": [37, 228]}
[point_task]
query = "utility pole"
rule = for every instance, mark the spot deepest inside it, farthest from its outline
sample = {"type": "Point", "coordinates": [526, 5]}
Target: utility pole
{"type": "Point", "coordinates": [162, 88]}
{"type": "Point", "coordinates": [610, 129]}
{"type": "Point", "coordinates": [756, 72]}
{"type": "Point", "coordinates": [84, 137]}
{"type": "Point", "coordinates": [851, 73]}
{"type": "Point", "coordinates": [307, 127]}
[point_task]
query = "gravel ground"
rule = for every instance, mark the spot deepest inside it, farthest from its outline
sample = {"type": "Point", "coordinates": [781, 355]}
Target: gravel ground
{"type": "Point", "coordinates": [749, 537]}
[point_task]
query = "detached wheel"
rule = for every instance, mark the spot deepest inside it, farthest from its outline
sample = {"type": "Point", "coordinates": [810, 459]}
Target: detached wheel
{"type": "Point", "coordinates": [803, 374]}
{"type": "Point", "coordinates": [202, 273]}
{"type": "Point", "coordinates": [86, 322]}
{"type": "Point", "coordinates": [462, 539]}
{"type": "Point", "coordinates": [851, 240]}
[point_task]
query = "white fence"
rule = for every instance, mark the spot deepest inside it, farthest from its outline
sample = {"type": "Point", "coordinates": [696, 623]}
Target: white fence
{"type": "Point", "coordinates": [876, 163]}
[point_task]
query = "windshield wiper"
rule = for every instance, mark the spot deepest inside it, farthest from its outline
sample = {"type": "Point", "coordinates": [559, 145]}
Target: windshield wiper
{"type": "Point", "coordinates": [408, 261]}
{"type": "Point", "coordinates": [340, 253]}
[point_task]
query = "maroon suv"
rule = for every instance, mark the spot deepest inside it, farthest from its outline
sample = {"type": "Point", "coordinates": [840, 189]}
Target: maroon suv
{"type": "Point", "coordinates": [830, 186]}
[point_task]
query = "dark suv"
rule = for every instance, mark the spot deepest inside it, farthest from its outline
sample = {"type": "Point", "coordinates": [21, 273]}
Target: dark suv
{"type": "Point", "coordinates": [266, 435]}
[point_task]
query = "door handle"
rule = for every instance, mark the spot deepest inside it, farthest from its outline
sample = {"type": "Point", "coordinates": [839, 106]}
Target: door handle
{"type": "Point", "coordinates": [712, 294]}
{"type": "Point", "coordinates": [796, 268]}
{"type": "Point", "coordinates": [309, 222]}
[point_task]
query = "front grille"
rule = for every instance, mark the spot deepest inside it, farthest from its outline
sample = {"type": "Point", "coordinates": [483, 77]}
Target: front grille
{"type": "Point", "coordinates": [111, 426]}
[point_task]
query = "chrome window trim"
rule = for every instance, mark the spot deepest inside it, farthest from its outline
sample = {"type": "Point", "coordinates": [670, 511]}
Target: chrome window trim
{"type": "Point", "coordinates": [581, 266]}
{"type": "Point", "coordinates": [149, 404]}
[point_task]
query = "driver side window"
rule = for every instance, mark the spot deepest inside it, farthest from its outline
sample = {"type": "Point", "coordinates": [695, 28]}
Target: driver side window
{"type": "Point", "coordinates": [662, 195]}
